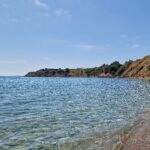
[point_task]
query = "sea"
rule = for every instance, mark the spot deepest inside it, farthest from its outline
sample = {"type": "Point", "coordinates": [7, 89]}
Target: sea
{"type": "Point", "coordinates": [67, 113]}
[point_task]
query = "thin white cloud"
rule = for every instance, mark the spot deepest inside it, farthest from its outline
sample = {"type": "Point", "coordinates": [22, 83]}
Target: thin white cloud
{"type": "Point", "coordinates": [135, 46]}
{"type": "Point", "coordinates": [4, 5]}
{"type": "Point", "coordinates": [72, 44]}
{"type": "Point", "coordinates": [129, 38]}
{"type": "Point", "coordinates": [46, 58]}
{"type": "Point", "coordinates": [62, 13]}
{"type": "Point", "coordinates": [40, 3]}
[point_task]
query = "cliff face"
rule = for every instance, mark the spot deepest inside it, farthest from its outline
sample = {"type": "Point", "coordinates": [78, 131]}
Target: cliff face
{"type": "Point", "coordinates": [139, 68]}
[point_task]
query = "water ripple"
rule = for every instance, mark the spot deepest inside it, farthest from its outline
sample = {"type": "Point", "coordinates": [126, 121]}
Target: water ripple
{"type": "Point", "coordinates": [48, 112]}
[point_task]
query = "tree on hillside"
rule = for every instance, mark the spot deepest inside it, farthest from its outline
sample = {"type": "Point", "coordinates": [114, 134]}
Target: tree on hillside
{"type": "Point", "coordinates": [113, 68]}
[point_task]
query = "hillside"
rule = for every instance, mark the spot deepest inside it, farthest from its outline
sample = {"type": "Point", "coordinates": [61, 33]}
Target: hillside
{"type": "Point", "coordinates": [139, 68]}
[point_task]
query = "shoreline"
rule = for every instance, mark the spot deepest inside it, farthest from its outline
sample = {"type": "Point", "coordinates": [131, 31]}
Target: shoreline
{"type": "Point", "coordinates": [106, 77]}
{"type": "Point", "coordinates": [139, 136]}
{"type": "Point", "coordinates": [129, 137]}
{"type": "Point", "coordinates": [133, 136]}
{"type": "Point", "coordinates": [136, 137]}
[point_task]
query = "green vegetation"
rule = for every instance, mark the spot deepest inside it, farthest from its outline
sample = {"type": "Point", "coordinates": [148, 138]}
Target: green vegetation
{"type": "Point", "coordinates": [123, 67]}
{"type": "Point", "coordinates": [113, 70]}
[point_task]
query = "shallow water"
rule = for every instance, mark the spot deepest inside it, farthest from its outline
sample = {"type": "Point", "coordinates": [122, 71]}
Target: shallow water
{"type": "Point", "coordinates": [49, 112]}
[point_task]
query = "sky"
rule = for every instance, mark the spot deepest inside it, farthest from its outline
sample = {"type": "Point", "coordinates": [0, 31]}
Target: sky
{"type": "Point", "coordinates": [37, 34]}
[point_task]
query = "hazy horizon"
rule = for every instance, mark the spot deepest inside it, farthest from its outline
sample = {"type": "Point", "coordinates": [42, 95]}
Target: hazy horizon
{"type": "Point", "coordinates": [39, 34]}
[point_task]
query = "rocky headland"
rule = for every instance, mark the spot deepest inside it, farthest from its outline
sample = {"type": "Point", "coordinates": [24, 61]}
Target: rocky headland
{"type": "Point", "coordinates": [139, 68]}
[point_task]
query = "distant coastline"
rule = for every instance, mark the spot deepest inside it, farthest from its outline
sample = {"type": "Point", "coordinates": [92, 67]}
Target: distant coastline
{"type": "Point", "coordinates": [139, 68]}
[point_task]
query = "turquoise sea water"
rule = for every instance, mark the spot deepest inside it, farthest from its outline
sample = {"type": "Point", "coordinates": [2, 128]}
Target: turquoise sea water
{"type": "Point", "coordinates": [42, 113]}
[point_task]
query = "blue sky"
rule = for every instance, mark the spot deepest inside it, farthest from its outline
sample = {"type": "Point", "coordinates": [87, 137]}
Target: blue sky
{"type": "Point", "coordinates": [37, 34]}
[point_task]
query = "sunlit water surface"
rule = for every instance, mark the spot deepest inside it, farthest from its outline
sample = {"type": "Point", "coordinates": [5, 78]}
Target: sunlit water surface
{"type": "Point", "coordinates": [45, 113]}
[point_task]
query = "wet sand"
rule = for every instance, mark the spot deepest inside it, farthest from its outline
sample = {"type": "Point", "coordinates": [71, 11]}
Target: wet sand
{"type": "Point", "coordinates": [139, 137]}
{"type": "Point", "coordinates": [135, 138]}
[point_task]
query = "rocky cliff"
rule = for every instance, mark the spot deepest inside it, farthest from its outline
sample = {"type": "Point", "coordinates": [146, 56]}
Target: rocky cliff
{"type": "Point", "coordinates": [139, 68]}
